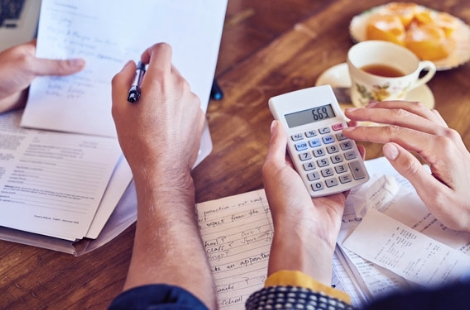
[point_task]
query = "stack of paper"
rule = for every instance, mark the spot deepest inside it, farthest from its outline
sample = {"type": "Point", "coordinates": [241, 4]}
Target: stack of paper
{"type": "Point", "coordinates": [390, 241]}
{"type": "Point", "coordinates": [376, 253]}
{"type": "Point", "coordinates": [65, 180]}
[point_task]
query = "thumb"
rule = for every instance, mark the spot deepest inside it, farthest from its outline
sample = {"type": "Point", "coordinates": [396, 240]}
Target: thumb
{"type": "Point", "coordinates": [277, 144]}
{"type": "Point", "coordinates": [410, 167]}
{"type": "Point", "coordinates": [57, 67]}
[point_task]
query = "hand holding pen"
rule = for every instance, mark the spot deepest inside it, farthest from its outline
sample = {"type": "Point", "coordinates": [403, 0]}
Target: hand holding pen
{"type": "Point", "coordinates": [134, 91]}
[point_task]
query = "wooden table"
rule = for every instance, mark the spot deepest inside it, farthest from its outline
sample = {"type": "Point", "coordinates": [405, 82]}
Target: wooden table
{"type": "Point", "coordinates": [268, 48]}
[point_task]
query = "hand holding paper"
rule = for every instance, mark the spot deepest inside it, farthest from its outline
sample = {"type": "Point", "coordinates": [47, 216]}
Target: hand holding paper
{"type": "Point", "coordinates": [19, 66]}
{"type": "Point", "coordinates": [411, 127]}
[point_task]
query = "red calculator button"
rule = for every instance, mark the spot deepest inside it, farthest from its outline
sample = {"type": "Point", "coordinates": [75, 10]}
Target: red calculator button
{"type": "Point", "coordinates": [337, 127]}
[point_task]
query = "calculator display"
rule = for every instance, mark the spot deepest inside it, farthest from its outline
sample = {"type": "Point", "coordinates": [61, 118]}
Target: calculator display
{"type": "Point", "coordinates": [310, 116]}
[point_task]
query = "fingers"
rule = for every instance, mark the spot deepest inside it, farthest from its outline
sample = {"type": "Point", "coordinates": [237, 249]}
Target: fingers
{"type": "Point", "coordinates": [158, 56]}
{"type": "Point", "coordinates": [411, 115]}
{"type": "Point", "coordinates": [122, 82]}
{"type": "Point", "coordinates": [56, 67]}
{"type": "Point", "coordinates": [409, 167]}
{"type": "Point", "coordinates": [277, 144]}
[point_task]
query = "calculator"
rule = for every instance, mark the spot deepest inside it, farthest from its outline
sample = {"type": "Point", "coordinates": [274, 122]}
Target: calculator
{"type": "Point", "coordinates": [326, 160]}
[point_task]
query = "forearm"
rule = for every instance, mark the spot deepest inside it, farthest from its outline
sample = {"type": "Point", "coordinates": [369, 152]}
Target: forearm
{"type": "Point", "coordinates": [168, 247]}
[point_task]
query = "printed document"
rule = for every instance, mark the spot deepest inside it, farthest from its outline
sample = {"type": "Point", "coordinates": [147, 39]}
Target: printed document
{"type": "Point", "coordinates": [52, 183]}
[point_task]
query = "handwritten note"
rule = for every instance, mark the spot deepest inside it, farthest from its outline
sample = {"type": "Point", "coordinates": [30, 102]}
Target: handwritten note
{"type": "Point", "coordinates": [107, 34]}
{"type": "Point", "coordinates": [237, 234]}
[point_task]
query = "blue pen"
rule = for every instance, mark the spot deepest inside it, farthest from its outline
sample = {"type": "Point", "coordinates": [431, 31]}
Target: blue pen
{"type": "Point", "coordinates": [216, 91]}
{"type": "Point", "coordinates": [134, 91]}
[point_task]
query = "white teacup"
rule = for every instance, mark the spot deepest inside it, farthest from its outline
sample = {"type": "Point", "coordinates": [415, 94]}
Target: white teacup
{"type": "Point", "coordinates": [381, 70]}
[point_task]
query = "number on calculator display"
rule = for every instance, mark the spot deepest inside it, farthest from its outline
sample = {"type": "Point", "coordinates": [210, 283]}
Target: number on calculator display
{"type": "Point", "coordinates": [327, 161]}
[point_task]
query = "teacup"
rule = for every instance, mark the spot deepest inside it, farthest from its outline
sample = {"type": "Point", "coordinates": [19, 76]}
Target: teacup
{"type": "Point", "coordinates": [381, 71]}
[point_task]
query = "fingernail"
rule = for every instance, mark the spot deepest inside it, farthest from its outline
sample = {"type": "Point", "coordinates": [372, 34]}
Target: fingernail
{"type": "Point", "coordinates": [76, 62]}
{"type": "Point", "coordinates": [348, 129]}
{"type": "Point", "coordinates": [372, 104]}
{"type": "Point", "coordinates": [390, 151]}
{"type": "Point", "coordinates": [273, 126]}
{"type": "Point", "coordinates": [351, 109]}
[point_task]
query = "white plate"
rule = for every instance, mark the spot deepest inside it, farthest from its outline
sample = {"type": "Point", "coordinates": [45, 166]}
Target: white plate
{"type": "Point", "coordinates": [460, 55]}
{"type": "Point", "coordinates": [338, 76]}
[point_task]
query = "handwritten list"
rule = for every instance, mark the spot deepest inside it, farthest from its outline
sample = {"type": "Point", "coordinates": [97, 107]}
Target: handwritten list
{"type": "Point", "coordinates": [237, 234]}
{"type": "Point", "coordinates": [107, 35]}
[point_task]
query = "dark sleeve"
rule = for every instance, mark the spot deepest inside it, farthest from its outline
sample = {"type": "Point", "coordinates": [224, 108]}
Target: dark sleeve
{"type": "Point", "coordinates": [455, 297]}
{"type": "Point", "coordinates": [291, 297]}
{"type": "Point", "coordinates": [156, 297]}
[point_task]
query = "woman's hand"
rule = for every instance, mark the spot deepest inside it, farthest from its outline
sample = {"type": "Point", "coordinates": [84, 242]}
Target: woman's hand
{"type": "Point", "coordinates": [411, 127]}
{"type": "Point", "coordinates": [305, 229]}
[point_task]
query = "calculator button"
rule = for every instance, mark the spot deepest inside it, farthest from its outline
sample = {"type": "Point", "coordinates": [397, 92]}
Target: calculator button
{"type": "Point", "coordinates": [317, 186]}
{"type": "Point", "coordinates": [313, 176]}
{"type": "Point", "coordinates": [314, 143]}
{"type": "Point", "coordinates": [340, 136]}
{"type": "Point", "coordinates": [297, 137]}
{"type": "Point", "coordinates": [323, 162]}
{"type": "Point", "coordinates": [346, 145]}
{"type": "Point", "coordinates": [345, 178]}
{"type": "Point", "coordinates": [337, 127]}
{"type": "Point", "coordinates": [341, 168]}
{"type": "Point", "coordinates": [336, 159]}
{"type": "Point", "coordinates": [328, 139]}
{"type": "Point", "coordinates": [324, 130]}
{"type": "Point", "coordinates": [302, 146]}
{"type": "Point", "coordinates": [318, 152]}
{"type": "Point", "coordinates": [331, 182]}
{"type": "Point", "coordinates": [310, 133]}
{"type": "Point", "coordinates": [328, 172]}
{"type": "Point", "coordinates": [350, 155]}
{"type": "Point", "coordinates": [309, 166]}
{"type": "Point", "coordinates": [356, 170]}
{"type": "Point", "coordinates": [305, 156]}
{"type": "Point", "coordinates": [332, 149]}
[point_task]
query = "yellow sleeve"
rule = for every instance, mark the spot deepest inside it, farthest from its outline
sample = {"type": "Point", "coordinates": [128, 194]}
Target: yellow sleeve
{"type": "Point", "coordinates": [299, 279]}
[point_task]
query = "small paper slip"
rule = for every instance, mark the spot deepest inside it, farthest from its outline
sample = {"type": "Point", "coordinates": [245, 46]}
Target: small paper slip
{"type": "Point", "coordinates": [408, 253]}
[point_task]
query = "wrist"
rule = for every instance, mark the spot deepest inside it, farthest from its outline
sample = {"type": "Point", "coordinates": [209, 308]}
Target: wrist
{"type": "Point", "coordinates": [300, 249]}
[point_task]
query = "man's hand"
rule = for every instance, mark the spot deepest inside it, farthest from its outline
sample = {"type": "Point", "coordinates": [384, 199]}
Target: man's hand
{"type": "Point", "coordinates": [162, 131]}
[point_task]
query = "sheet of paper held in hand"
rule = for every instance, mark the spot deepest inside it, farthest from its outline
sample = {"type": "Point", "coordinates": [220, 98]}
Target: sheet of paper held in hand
{"type": "Point", "coordinates": [237, 232]}
{"type": "Point", "coordinates": [404, 222]}
{"type": "Point", "coordinates": [107, 35]}
{"type": "Point", "coordinates": [52, 183]}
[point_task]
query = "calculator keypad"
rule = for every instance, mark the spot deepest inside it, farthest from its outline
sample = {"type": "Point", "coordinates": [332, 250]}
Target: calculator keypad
{"type": "Point", "coordinates": [328, 157]}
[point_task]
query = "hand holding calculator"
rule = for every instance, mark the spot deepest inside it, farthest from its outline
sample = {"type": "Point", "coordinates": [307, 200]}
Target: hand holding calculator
{"type": "Point", "coordinates": [326, 160]}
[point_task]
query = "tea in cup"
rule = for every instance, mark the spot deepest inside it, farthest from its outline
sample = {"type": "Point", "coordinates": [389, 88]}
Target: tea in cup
{"type": "Point", "coordinates": [381, 71]}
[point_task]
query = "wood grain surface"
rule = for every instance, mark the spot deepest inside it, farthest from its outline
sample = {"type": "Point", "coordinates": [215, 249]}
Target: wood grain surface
{"type": "Point", "coordinates": [268, 48]}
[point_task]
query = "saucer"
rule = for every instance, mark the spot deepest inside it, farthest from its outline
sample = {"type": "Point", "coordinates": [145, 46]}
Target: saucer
{"type": "Point", "coordinates": [338, 76]}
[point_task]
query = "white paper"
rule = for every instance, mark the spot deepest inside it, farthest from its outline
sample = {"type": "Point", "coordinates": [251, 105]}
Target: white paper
{"type": "Point", "coordinates": [107, 34]}
{"type": "Point", "coordinates": [408, 253]}
{"type": "Point", "coordinates": [237, 234]}
{"type": "Point", "coordinates": [52, 183]}
{"type": "Point", "coordinates": [382, 191]}
{"type": "Point", "coordinates": [117, 185]}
